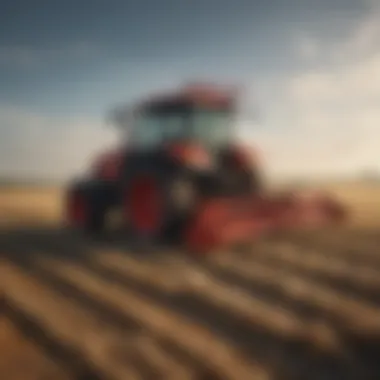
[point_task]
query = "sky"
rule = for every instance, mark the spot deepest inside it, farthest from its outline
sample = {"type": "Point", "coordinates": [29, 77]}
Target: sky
{"type": "Point", "coordinates": [312, 68]}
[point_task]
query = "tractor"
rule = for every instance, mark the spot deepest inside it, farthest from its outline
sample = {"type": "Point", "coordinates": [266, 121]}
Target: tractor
{"type": "Point", "coordinates": [181, 175]}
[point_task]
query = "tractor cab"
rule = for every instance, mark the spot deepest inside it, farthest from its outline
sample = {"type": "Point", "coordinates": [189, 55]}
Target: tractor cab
{"type": "Point", "coordinates": [195, 114]}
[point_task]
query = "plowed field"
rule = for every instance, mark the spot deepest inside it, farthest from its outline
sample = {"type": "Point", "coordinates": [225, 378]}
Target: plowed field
{"type": "Point", "coordinates": [297, 306]}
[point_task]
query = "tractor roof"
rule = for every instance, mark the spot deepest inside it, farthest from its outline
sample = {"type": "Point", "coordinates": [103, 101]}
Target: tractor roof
{"type": "Point", "coordinates": [202, 95]}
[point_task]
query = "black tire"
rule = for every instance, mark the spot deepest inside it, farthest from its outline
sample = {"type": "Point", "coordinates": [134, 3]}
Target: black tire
{"type": "Point", "coordinates": [252, 182]}
{"type": "Point", "coordinates": [99, 198]}
{"type": "Point", "coordinates": [96, 223]}
{"type": "Point", "coordinates": [238, 183]}
{"type": "Point", "coordinates": [236, 180]}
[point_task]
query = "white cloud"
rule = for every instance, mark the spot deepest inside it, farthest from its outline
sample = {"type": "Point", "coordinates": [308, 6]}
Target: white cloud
{"type": "Point", "coordinates": [35, 145]}
{"type": "Point", "coordinates": [333, 111]}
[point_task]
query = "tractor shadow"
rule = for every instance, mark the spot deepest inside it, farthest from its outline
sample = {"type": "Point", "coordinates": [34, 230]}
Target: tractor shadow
{"type": "Point", "coordinates": [287, 357]}
{"type": "Point", "coordinates": [18, 243]}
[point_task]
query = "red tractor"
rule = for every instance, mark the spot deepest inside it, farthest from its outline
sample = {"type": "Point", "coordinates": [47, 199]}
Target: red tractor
{"type": "Point", "coordinates": [182, 176]}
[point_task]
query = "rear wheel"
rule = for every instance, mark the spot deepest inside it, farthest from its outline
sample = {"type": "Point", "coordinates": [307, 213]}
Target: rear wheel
{"type": "Point", "coordinates": [250, 182]}
{"type": "Point", "coordinates": [239, 182]}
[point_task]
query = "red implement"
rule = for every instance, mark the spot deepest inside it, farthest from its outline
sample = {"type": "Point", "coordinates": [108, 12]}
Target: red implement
{"type": "Point", "coordinates": [223, 222]}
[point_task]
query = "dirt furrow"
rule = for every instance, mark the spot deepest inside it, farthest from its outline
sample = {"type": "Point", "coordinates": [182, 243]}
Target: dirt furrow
{"type": "Point", "coordinates": [354, 247]}
{"type": "Point", "coordinates": [22, 359]}
{"type": "Point", "coordinates": [69, 323]}
{"type": "Point", "coordinates": [263, 320]}
{"type": "Point", "coordinates": [352, 313]}
{"type": "Point", "coordinates": [335, 270]}
{"type": "Point", "coordinates": [157, 363]}
{"type": "Point", "coordinates": [233, 300]}
{"type": "Point", "coordinates": [209, 350]}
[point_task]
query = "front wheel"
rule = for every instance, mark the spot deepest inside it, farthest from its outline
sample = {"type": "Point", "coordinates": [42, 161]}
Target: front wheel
{"type": "Point", "coordinates": [158, 206]}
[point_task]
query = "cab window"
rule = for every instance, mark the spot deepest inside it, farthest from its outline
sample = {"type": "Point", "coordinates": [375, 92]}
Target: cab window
{"type": "Point", "coordinates": [150, 130]}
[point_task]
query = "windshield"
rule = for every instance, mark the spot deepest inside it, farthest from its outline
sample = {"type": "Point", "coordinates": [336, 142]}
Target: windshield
{"type": "Point", "coordinates": [152, 129]}
{"type": "Point", "coordinates": [213, 127]}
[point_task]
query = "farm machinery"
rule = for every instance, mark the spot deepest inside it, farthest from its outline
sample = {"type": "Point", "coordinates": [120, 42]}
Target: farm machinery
{"type": "Point", "coordinates": [182, 175]}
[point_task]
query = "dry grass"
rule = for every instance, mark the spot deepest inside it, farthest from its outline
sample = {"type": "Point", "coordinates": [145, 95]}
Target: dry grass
{"type": "Point", "coordinates": [29, 206]}
{"type": "Point", "coordinates": [304, 305]}
{"type": "Point", "coordinates": [363, 199]}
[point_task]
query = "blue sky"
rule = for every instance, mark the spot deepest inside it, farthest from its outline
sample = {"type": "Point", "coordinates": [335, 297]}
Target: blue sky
{"type": "Point", "coordinates": [305, 64]}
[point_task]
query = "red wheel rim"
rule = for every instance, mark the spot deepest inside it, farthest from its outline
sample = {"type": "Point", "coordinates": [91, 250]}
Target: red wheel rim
{"type": "Point", "coordinates": [145, 205]}
{"type": "Point", "coordinates": [77, 209]}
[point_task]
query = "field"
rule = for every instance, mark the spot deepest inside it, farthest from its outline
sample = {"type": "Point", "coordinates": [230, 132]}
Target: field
{"type": "Point", "coordinates": [298, 306]}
